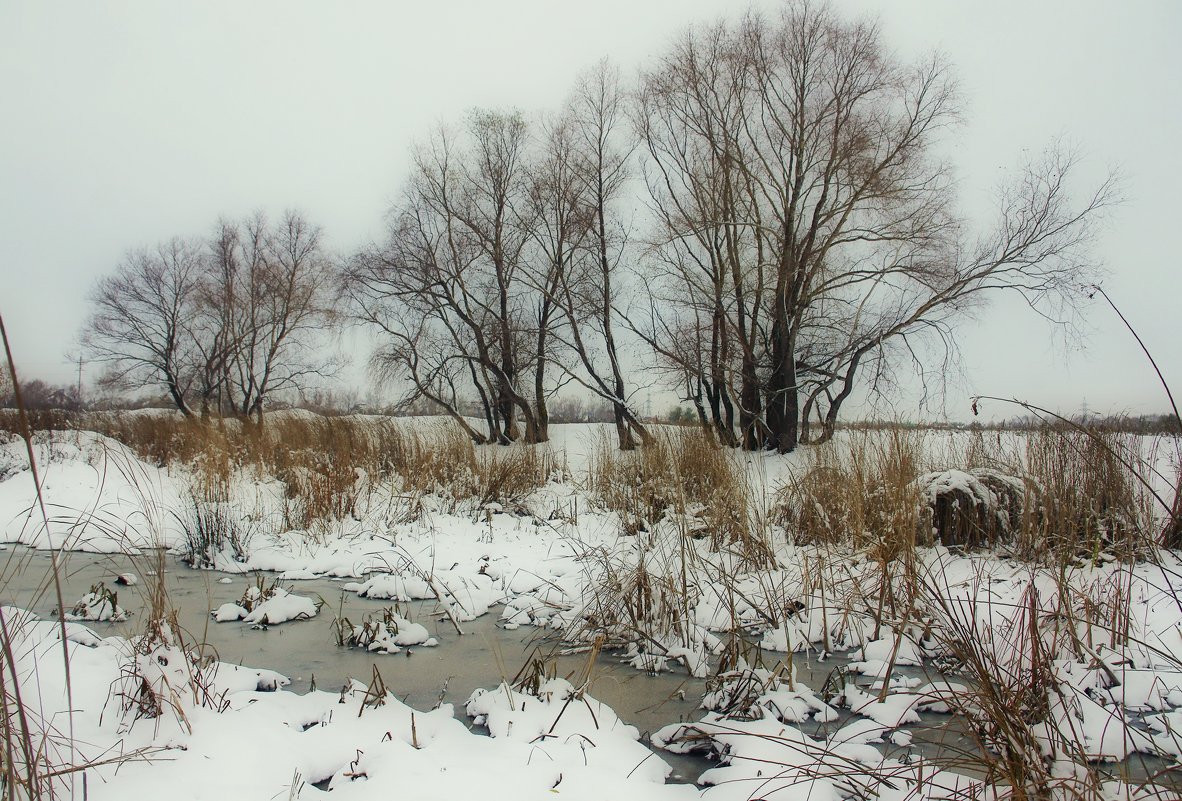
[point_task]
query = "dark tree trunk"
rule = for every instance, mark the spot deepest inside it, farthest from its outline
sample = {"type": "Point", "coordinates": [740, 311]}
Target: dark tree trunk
{"type": "Point", "coordinates": [542, 433]}
{"type": "Point", "coordinates": [783, 403]}
{"type": "Point", "coordinates": [750, 407]}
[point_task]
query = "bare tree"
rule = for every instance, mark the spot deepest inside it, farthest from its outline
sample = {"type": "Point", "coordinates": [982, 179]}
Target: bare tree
{"type": "Point", "coordinates": [224, 323]}
{"type": "Point", "coordinates": [591, 295]}
{"type": "Point", "coordinates": [806, 222]}
{"type": "Point", "coordinates": [140, 327]}
{"type": "Point", "coordinates": [449, 288]}
{"type": "Point", "coordinates": [277, 305]}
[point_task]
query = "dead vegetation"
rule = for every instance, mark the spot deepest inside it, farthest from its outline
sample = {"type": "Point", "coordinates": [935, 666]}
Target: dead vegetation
{"type": "Point", "coordinates": [1052, 493]}
{"type": "Point", "coordinates": [682, 474]}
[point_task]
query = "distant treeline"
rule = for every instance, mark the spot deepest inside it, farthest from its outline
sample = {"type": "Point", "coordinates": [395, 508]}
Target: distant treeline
{"type": "Point", "coordinates": [42, 396]}
{"type": "Point", "coordinates": [1148, 424]}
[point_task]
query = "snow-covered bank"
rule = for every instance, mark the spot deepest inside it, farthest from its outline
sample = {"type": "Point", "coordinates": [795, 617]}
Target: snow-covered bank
{"type": "Point", "coordinates": [225, 731]}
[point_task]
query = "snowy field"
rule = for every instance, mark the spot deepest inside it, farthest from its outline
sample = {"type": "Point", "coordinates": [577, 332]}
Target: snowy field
{"type": "Point", "coordinates": [1062, 665]}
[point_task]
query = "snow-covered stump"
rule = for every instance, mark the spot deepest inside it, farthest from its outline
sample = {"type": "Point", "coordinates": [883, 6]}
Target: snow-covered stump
{"type": "Point", "coordinates": [979, 508]}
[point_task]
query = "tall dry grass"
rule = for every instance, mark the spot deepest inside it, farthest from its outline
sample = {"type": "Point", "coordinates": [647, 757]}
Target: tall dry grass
{"type": "Point", "coordinates": [1055, 494]}
{"type": "Point", "coordinates": [862, 493]}
{"type": "Point", "coordinates": [684, 474]}
{"type": "Point", "coordinates": [332, 468]}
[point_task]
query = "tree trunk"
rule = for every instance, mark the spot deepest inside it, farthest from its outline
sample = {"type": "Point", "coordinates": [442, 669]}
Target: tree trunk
{"type": "Point", "coordinates": [750, 408]}
{"type": "Point", "coordinates": [542, 431]}
{"type": "Point", "coordinates": [623, 430]}
{"type": "Point", "coordinates": [178, 398]}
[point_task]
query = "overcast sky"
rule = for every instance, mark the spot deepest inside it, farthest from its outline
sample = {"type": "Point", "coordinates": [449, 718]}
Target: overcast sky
{"type": "Point", "coordinates": [122, 124]}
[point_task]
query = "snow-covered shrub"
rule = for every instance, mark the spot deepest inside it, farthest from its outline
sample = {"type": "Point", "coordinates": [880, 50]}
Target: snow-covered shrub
{"type": "Point", "coordinates": [979, 508]}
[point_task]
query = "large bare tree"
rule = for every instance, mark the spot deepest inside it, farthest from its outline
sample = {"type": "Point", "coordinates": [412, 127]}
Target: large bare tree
{"type": "Point", "coordinates": [280, 302]}
{"type": "Point", "coordinates": [578, 180]}
{"type": "Point", "coordinates": [450, 289]}
{"type": "Point", "coordinates": [806, 219]}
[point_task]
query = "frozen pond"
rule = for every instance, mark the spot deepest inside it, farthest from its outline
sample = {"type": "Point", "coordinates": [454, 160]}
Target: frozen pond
{"type": "Point", "coordinates": [423, 677]}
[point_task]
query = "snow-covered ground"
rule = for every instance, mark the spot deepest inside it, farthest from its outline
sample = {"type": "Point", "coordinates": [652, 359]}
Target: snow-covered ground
{"type": "Point", "coordinates": [1105, 637]}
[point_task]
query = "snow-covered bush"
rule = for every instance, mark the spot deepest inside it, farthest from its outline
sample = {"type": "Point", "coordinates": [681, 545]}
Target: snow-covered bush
{"type": "Point", "coordinates": [978, 508]}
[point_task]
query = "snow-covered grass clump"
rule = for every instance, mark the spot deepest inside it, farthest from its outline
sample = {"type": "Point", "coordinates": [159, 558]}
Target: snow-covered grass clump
{"type": "Point", "coordinates": [386, 633]}
{"type": "Point", "coordinates": [100, 604]}
{"type": "Point", "coordinates": [268, 605]}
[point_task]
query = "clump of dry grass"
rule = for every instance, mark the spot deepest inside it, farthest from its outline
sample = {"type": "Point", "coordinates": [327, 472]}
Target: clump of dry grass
{"type": "Point", "coordinates": [212, 525]}
{"type": "Point", "coordinates": [444, 463]}
{"type": "Point", "coordinates": [1023, 711]}
{"type": "Point", "coordinates": [643, 600]}
{"type": "Point", "coordinates": [507, 476]}
{"type": "Point", "coordinates": [863, 495]}
{"type": "Point", "coordinates": [166, 670]}
{"type": "Point", "coordinates": [1087, 498]}
{"type": "Point", "coordinates": [442, 460]}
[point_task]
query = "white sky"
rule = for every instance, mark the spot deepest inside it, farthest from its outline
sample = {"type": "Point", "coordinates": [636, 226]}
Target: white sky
{"type": "Point", "coordinates": [122, 124]}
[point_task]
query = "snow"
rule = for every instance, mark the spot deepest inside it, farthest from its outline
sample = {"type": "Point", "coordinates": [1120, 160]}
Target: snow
{"type": "Point", "coordinates": [1118, 694]}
